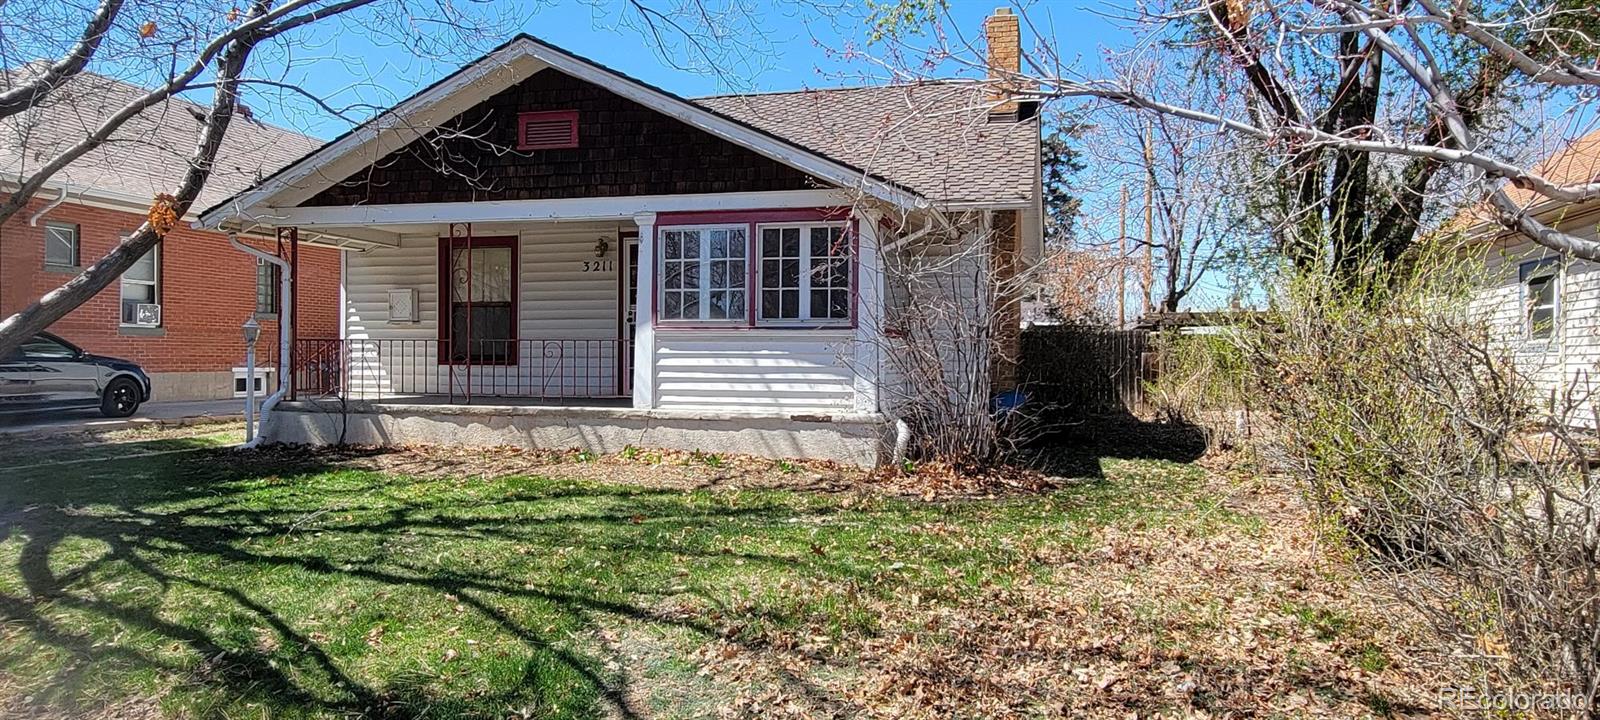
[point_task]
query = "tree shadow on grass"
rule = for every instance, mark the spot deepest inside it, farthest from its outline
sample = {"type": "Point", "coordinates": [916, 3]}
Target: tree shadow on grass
{"type": "Point", "coordinates": [277, 581]}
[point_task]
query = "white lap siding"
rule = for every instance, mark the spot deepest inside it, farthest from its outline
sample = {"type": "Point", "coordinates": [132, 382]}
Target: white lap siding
{"type": "Point", "coordinates": [755, 370]}
{"type": "Point", "coordinates": [566, 316]}
{"type": "Point", "coordinates": [1570, 361]}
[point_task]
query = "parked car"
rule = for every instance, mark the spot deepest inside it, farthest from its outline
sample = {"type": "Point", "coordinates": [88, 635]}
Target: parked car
{"type": "Point", "coordinates": [48, 372]}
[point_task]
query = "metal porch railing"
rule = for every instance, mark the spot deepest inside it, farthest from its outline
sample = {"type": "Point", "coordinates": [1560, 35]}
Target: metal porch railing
{"type": "Point", "coordinates": [539, 369]}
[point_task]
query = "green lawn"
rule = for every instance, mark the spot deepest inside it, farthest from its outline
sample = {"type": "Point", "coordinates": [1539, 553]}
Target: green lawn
{"type": "Point", "coordinates": [218, 584]}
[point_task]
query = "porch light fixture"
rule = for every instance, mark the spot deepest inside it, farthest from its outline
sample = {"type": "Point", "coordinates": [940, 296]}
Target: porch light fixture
{"type": "Point", "coordinates": [602, 246]}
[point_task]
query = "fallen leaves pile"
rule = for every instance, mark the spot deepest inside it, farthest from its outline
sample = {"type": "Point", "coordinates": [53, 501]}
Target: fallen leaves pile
{"type": "Point", "coordinates": [1159, 620]}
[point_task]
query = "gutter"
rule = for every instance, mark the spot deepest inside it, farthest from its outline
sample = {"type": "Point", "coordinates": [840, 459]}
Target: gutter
{"type": "Point", "coordinates": [65, 190]}
{"type": "Point", "coordinates": [285, 309]}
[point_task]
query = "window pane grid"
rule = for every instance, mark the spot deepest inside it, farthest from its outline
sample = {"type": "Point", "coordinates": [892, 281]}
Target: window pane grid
{"type": "Point", "coordinates": [1541, 312]}
{"type": "Point", "coordinates": [805, 273]}
{"type": "Point", "coordinates": [141, 285]}
{"type": "Point", "coordinates": [703, 273]}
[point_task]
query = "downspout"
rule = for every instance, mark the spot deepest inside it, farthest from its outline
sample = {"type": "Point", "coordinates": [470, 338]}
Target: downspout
{"type": "Point", "coordinates": [34, 221]}
{"type": "Point", "coordinates": [902, 431]}
{"type": "Point", "coordinates": [285, 308]}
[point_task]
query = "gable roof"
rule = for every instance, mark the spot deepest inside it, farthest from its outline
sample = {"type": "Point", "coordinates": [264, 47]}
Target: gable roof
{"type": "Point", "coordinates": [1578, 162]}
{"type": "Point", "coordinates": [149, 154]}
{"type": "Point", "coordinates": [933, 137]}
{"type": "Point", "coordinates": [403, 123]}
{"type": "Point", "coordinates": [919, 154]}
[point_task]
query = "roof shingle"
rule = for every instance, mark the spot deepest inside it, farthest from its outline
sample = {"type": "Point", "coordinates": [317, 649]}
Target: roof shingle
{"type": "Point", "coordinates": [932, 137]}
{"type": "Point", "coordinates": [150, 153]}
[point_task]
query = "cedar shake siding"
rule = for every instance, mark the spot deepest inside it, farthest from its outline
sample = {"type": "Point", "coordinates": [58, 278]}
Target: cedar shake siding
{"type": "Point", "coordinates": [623, 149]}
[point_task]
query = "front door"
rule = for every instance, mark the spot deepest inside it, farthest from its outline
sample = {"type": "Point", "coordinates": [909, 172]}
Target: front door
{"type": "Point", "coordinates": [479, 313]}
{"type": "Point", "coordinates": [630, 313]}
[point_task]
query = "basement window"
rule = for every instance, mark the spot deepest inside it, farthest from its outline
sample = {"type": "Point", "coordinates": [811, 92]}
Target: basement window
{"type": "Point", "coordinates": [547, 130]}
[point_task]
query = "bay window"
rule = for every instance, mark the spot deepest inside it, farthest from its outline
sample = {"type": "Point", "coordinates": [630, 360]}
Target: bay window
{"type": "Point", "coordinates": [703, 274]}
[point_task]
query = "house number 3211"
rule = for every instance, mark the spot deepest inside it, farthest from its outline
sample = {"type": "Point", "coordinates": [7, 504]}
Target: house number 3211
{"type": "Point", "coordinates": [599, 265]}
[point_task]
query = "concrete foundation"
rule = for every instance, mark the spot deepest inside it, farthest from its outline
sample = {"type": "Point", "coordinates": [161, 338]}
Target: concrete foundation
{"type": "Point", "coordinates": [851, 439]}
{"type": "Point", "coordinates": [183, 386]}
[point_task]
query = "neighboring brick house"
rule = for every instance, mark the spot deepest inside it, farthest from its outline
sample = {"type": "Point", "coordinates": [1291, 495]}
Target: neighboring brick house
{"type": "Point", "coordinates": [192, 347]}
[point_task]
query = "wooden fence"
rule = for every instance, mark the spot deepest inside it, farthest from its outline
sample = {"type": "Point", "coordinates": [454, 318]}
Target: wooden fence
{"type": "Point", "coordinates": [1084, 370]}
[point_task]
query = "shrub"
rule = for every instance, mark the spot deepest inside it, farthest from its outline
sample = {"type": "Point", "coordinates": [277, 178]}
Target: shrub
{"type": "Point", "coordinates": [1418, 438]}
{"type": "Point", "coordinates": [1202, 380]}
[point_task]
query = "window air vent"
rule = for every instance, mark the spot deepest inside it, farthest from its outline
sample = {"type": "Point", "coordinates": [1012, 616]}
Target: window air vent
{"type": "Point", "coordinates": [547, 130]}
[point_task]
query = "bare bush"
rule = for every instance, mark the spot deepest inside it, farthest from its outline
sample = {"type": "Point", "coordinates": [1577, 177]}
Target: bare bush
{"type": "Point", "coordinates": [950, 325]}
{"type": "Point", "coordinates": [1423, 443]}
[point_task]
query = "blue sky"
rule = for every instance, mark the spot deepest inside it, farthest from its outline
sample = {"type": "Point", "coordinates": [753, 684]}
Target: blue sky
{"type": "Point", "coordinates": [795, 47]}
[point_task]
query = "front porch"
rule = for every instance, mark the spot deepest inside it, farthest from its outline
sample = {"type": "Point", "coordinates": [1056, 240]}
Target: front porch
{"type": "Point", "coordinates": [551, 334]}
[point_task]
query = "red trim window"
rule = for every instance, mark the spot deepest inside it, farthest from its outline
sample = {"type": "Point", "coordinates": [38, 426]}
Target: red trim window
{"type": "Point", "coordinates": [806, 274]}
{"type": "Point", "coordinates": [551, 130]}
{"type": "Point", "coordinates": [478, 301]}
{"type": "Point", "coordinates": [703, 274]}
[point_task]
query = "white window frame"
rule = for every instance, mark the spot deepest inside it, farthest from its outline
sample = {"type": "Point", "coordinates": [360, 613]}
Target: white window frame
{"type": "Point", "coordinates": [1535, 270]}
{"type": "Point", "coordinates": [77, 244]}
{"type": "Point", "coordinates": [270, 285]}
{"type": "Point", "coordinates": [806, 319]}
{"type": "Point", "coordinates": [122, 281]}
{"type": "Point", "coordinates": [704, 291]}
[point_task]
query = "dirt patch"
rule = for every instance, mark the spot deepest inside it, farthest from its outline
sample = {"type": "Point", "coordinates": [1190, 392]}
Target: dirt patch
{"type": "Point", "coordinates": [1256, 618]}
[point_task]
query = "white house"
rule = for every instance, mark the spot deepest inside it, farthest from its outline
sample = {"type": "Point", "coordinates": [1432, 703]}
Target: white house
{"type": "Point", "coordinates": [1543, 305]}
{"type": "Point", "coordinates": [540, 251]}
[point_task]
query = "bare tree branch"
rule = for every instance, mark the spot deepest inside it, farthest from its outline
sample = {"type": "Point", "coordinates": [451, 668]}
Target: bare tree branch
{"type": "Point", "coordinates": [35, 89]}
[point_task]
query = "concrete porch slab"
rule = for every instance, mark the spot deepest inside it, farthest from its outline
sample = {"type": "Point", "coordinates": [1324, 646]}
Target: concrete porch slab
{"type": "Point", "coordinates": [854, 439]}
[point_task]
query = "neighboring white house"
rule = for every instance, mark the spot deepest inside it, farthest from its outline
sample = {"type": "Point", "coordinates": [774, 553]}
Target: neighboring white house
{"type": "Point", "coordinates": [1546, 306]}
{"type": "Point", "coordinates": [541, 251]}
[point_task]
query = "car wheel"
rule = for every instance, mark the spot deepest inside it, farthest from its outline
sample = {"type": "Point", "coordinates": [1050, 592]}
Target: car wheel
{"type": "Point", "coordinates": [121, 398]}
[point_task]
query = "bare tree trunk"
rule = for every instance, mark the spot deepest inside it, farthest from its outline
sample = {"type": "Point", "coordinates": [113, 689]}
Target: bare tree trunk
{"type": "Point", "coordinates": [164, 212]}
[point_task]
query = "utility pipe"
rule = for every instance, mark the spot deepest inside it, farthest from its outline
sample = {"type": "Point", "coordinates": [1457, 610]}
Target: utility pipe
{"type": "Point", "coordinates": [285, 309]}
{"type": "Point", "coordinates": [34, 221]}
{"type": "Point", "coordinates": [902, 439]}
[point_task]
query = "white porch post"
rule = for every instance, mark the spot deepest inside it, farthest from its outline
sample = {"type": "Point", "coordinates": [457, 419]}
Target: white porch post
{"type": "Point", "coordinates": [869, 321]}
{"type": "Point", "coordinates": [644, 334]}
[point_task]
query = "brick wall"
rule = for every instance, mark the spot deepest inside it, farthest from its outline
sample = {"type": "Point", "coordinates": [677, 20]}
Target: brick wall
{"type": "Point", "coordinates": [624, 148]}
{"type": "Point", "coordinates": [207, 289]}
{"type": "Point", "coordinates": [1006, 230]}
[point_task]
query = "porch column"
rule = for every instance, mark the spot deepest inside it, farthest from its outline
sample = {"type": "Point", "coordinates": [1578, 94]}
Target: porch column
{"type": "Point", "coordinates": [869, 314]}
{"type": "Point", "coordinates": [644, 333]}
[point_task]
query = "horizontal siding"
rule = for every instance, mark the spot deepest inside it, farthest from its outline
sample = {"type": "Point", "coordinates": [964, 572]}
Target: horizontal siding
{"type": "Point", "coordinates": [1570, 362]}
{"type": "Point", "coordinates": [760, 370]}
{"type": "Point", "coordinates": [572, 313]}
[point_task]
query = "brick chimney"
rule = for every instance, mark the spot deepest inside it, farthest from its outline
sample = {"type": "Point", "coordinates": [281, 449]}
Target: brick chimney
{"type": "Point", "coordinates": [1003, 33]}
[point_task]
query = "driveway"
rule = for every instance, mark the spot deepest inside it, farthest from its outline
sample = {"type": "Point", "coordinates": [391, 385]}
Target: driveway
{"type": "Point", "coordinates": [90, 419]}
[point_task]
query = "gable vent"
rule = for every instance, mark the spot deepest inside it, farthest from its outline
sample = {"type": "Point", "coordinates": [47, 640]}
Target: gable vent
{"type": "Point", "coordinates": [547, 130]}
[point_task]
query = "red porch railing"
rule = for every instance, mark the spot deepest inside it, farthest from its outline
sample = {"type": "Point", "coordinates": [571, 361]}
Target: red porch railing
{"type": "Point", "coordinates": [439, 370]}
